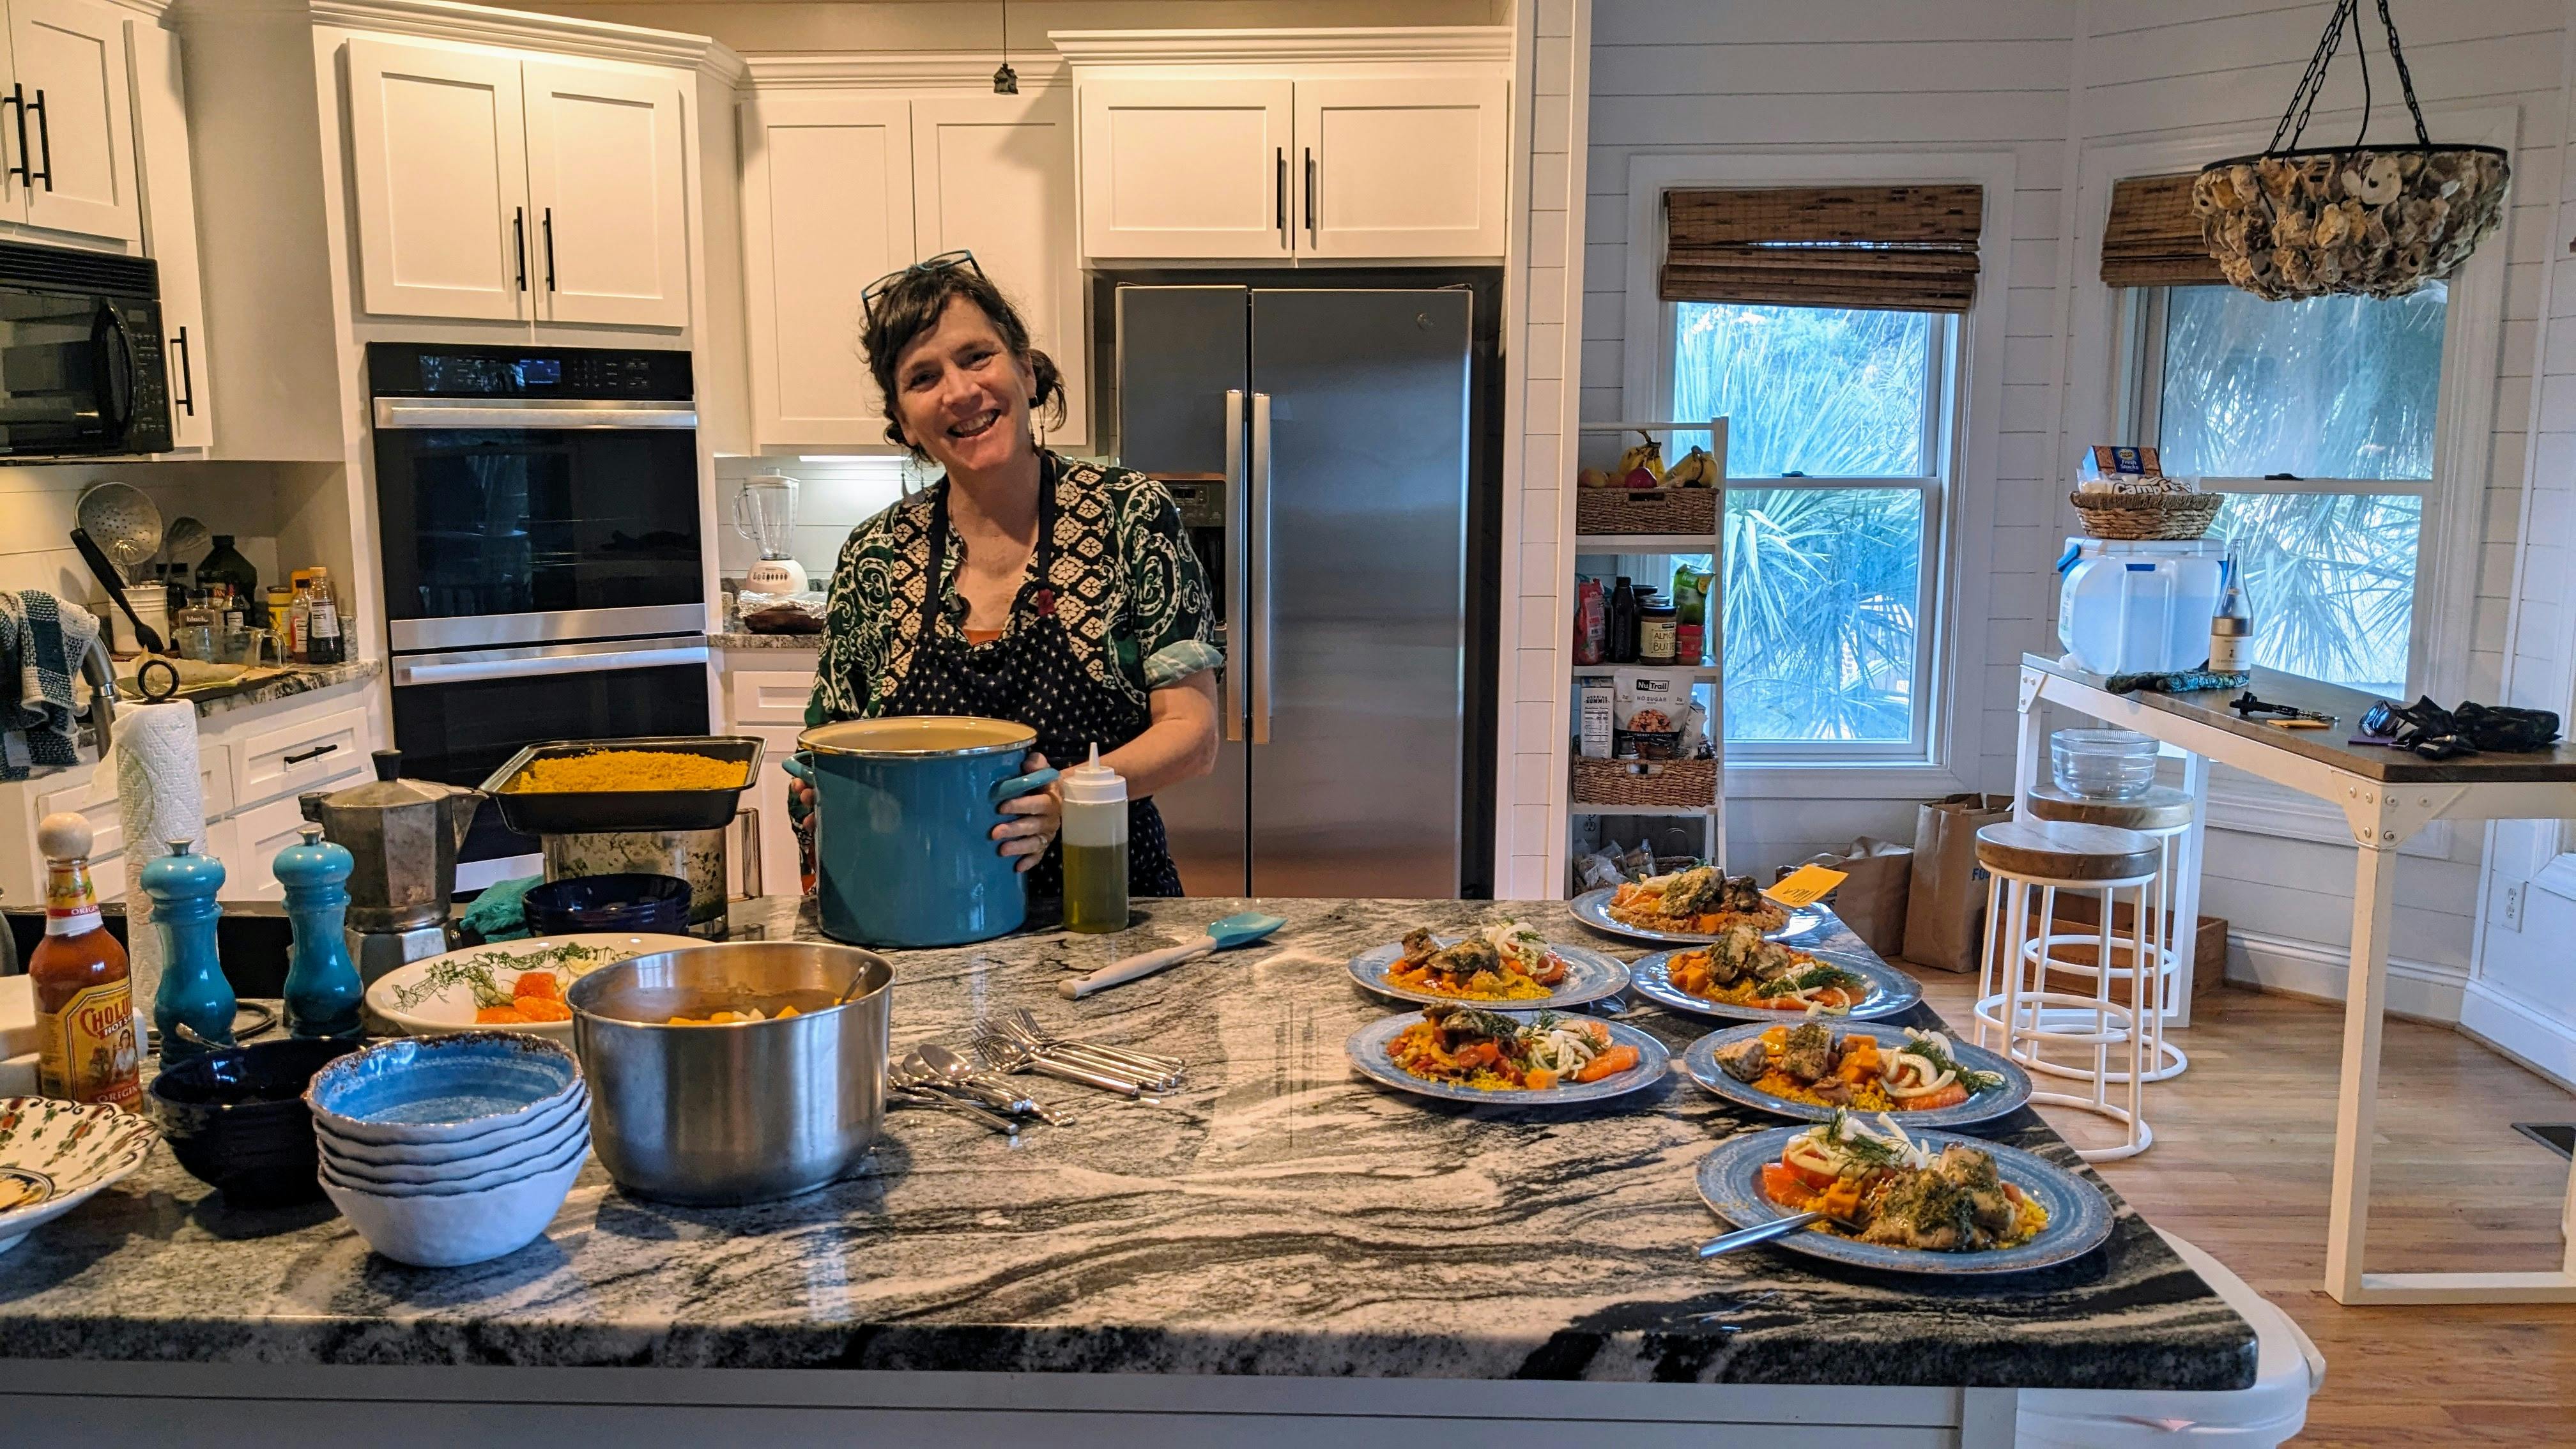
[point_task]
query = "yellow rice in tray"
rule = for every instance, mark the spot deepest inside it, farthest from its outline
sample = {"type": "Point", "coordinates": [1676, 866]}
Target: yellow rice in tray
{"type": "Point", "coordinates": [626, 771]}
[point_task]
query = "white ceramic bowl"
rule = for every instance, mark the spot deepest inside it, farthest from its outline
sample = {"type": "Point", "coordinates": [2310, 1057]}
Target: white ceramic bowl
{"type": "Point", "coordinates": [520, 1159]}
{"type": "Point", "coordinates": [452, 1231]}
{"type": "Point", "coordinates": [436, 994]}
{"type": "Point", "coordinates": [464, 1184]}
{"type": "Point", "coordinates": [416, 1090]}
{"type": "Point", "coordinates": [515, 1133]}
{"type": "Point", "coordinates": [55, 1155]}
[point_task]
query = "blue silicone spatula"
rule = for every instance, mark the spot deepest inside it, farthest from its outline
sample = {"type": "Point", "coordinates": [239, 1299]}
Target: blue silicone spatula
{"type": "Point", "coordinates": [1241, 929]}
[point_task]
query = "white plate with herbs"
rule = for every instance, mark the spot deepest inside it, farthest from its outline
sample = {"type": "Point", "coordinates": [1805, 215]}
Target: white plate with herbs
{"type": "Point", "coordinates": [480, 988]}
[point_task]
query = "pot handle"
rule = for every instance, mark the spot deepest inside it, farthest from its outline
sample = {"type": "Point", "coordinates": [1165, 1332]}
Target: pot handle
{"type": "Point", "coordinates": [800, 765]}
{"type": "Point", "coordinates": [1019, 785]}
{"type": "Point", "coordinates": [749, 819]}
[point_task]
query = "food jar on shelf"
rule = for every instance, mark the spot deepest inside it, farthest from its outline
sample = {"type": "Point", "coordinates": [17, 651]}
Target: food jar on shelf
{"type": "Point", "coordinates": [2102, 764]}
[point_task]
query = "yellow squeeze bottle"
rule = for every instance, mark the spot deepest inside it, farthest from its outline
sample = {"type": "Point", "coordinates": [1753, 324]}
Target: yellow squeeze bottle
{"type": "Point", "coordinates": [1095, 846]}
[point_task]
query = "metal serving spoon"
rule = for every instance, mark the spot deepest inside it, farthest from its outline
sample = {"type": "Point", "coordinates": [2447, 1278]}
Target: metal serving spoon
{"type": "Point", "coordinates": [1765, 1232]}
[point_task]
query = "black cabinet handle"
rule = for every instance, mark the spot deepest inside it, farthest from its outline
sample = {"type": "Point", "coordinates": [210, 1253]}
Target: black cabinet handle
{"type": "Point", "coordinates": [25, 169]}
{"type": "Point", "coordinates": [44, 139]}
{"type": "Point", "coordinates": [549, 224]}
{"type": "Point", "coordinates": [519, 241]}
{"type": "Point", "coordinates": [1281, 155]}
{"type": "Point", "coordinates": [1310, 194]}
{"type": "Point", "coordinates": [315, 753]}
{"type": "Point", "coordinates": [188, 401]}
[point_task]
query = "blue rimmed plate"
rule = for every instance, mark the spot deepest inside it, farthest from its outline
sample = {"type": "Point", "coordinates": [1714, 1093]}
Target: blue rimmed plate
{"type": "Point", "coordinates": [1890, 990]}
{"type": "Point", "coordinates": [2079, 1217]}
{"type": "Point", "coordinates": [1369, 1045]}
{"type": "Point", "coordinates": [1592, 908]}
{"type": "Point", "coordinates": [1589, 976]}
{"type": "Point", "coordinates": [1700, 1061]}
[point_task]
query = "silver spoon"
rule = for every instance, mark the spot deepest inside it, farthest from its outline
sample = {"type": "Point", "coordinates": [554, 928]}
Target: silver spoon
{"type": "Point", "coordinates": [1763, 1233]}
{"type": "Point", "coordinates": [917, 1089]}
{"type": "Point", "coordinates": [962, 1075]}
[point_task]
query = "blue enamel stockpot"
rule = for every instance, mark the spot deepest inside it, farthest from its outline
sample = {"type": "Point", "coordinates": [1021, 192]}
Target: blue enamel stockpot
{"type": "Point", "coordinates": [904, 815]}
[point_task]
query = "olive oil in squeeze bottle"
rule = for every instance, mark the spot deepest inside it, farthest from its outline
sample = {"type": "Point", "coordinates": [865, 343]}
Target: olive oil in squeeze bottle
{"type": "Point", "coordinates": [1095, 846]}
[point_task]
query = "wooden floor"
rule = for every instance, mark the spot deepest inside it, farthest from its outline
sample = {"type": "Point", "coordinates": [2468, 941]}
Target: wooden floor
{"type": "Point", "coordinates": [2244, 1148]}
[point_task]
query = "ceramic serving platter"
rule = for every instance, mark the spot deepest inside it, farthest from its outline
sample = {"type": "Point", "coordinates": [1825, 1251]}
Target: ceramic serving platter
{"type": "Point", "coordinates": [1592, 908]}
{"type": "Point", "coordinates": [1700, 1061]}
{"type": "Point", "coordinates": [1890, 990]}
{"type": "Point", "coordinates": [1589, 976]}
{"type": "Point", "coordinates": [441, 993]}
{"type": "Point", "coordinates": [1369, 1052]}
{"type": "Point", "coordinates": [2079, 1217]}
{"type": "Point", "coordinates": [54, 1155]}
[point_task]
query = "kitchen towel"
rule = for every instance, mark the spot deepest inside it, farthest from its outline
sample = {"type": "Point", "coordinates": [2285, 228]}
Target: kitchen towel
{"type": "Point", "coordinates": [42, 639]}
{"type": "Point", "coordinates": [159, 799]}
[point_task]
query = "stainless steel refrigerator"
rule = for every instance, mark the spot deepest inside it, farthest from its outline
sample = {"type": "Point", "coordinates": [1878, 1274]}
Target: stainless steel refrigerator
{"type": "Point", "coordinates": [1324, 442]}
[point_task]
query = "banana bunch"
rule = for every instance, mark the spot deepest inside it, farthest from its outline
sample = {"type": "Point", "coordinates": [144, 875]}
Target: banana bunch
{"type": "Point", "coordinates": [1697, 469]}
{"type": "Point", "coordinates": [1643, 465]}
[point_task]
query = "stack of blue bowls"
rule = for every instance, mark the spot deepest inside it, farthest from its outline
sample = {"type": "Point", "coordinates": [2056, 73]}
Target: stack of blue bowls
{"type": "Point", "coordinates": [633, 903]}
{"type": "Point", "coordinates": [448, 1150]}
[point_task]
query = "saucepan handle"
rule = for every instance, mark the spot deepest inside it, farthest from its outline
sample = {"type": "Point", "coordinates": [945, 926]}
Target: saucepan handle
{"type": "Point", "coordinates": [1019, 785]}
{"type": "Point", "coordinates": [800, 765]}
{"type": "Point", "coordinates": [749, 819]}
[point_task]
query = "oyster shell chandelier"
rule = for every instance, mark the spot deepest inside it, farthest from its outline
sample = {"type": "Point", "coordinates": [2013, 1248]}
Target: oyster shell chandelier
{"type": "Point", "coordinates": [2373, 221]}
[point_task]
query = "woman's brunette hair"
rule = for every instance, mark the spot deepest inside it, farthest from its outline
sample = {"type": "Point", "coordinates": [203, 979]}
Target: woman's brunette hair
{"type": "Point", "coordinates": [912, 304]}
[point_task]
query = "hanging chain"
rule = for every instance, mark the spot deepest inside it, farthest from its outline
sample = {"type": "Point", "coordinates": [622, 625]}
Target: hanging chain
{"type": "Point", "coordinates": [2312, 83]}
{"type": "Point", "coordinates": [2397, 57]}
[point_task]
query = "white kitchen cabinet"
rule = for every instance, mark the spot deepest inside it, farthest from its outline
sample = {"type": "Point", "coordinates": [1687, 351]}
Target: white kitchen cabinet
{"type": "Point", "coordinates": [605, 177]}
{"type": "Point", "coordinates": [994, 175]}
{"type": "Point", "coordinates": [827, 208]}
{"type": "Point", "coordinates": [73, 166]}
{"type": "Point", "coordinates": [170, 226]}
{"type": "Point", "coordinates": [1188, 168]}
{"type": "Point", "coordinates": [439, 149]}
{"type": "Point", "coordinates": [1401, 167]}
{"type": "Point", "coordinates": [251, 842]}
{"type": "Point", "coordinates": [770, 703]}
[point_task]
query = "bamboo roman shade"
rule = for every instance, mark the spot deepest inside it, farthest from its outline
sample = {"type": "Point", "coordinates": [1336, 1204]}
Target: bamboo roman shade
{"type": "Point", "coordinates": [2153, 238]}
{"type": "Point", "coordinates": [1898, 248]}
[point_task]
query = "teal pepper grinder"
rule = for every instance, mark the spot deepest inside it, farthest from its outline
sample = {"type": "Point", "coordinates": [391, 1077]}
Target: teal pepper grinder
{"type": "Point", "coordinates": [193, 1010]}
{"type": "Point", "coordinates": [322, 987]}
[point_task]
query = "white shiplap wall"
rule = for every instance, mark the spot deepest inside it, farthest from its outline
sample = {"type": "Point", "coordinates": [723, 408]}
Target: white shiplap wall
{"type": "Point", "coordinates": [2050, 79]}
{"type": "Point", "coordinates": [1846, 76]}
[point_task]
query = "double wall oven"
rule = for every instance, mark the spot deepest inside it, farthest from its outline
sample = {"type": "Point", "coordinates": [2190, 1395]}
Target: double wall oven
{"type": "Point", "coordinates": [543, 567]}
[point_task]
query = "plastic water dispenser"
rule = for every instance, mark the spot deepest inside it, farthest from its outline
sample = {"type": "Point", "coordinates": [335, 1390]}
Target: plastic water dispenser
{"type": "Point", "coordinates": [2125, 608]}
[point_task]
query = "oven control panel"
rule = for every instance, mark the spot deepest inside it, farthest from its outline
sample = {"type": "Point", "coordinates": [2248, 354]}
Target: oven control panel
{"type": "Point", "coordinates": [415, 369]}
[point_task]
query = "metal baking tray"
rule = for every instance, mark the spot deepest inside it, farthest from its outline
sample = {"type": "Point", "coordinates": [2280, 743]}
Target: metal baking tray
{"type": "Point", "coordinates": [590, 812]}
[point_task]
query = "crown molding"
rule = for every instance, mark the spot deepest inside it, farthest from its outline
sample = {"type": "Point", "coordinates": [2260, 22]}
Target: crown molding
{"type": "Point", "coordinates": [562, 35]}
{"type": "Point", "coordinates": [152, 10]}
{"type": "Point", "coordinates": [1257, 47]}
{"type": "Point", "coordinates": [901, 70]}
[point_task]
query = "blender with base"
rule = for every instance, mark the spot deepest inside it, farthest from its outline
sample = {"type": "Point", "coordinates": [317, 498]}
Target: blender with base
{"type": "Point", "coordinates": [763, 512]}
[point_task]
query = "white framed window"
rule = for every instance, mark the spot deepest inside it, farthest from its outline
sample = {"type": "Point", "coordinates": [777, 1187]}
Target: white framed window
{"type": "Point", "coordinates": [2317, 419]}
{"type": "Point", "coordinates": [1838, 427]}
{"type": "Point", "coordinates": [1861, 682]}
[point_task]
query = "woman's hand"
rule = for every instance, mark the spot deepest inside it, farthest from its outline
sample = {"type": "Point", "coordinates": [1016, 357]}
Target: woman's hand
{"type": "Point", "coordinates": [1031, 820]}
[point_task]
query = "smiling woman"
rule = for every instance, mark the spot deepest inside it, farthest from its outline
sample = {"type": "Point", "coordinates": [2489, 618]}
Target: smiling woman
{"type": "Point", "coordinates": [1021, 585]}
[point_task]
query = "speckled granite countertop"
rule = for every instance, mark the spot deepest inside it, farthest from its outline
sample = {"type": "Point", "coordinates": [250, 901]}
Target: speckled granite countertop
{"type": "Point", "coordinates": [802, 643]}
{"type": "Point", "coordinates": [1280, 1217]}
{"type": "Point", "coordinates": [304, 679]}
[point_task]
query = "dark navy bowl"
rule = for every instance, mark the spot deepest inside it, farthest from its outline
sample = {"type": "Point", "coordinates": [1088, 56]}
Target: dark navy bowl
{"type": "Point", "coordinates": [236, 1119]}
{"type": "Point", "coordinates": [638, 903]}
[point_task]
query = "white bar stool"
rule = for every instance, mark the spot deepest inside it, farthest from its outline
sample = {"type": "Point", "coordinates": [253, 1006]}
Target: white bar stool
{"type": "Point", "coordinates": [2163, 815]}
{"type": "Point", "coordinates": [2014, 1001]}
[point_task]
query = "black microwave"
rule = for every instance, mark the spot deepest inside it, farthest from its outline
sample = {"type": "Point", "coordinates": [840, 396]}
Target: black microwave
{"type": "Point", "coordinates": [81, 370]}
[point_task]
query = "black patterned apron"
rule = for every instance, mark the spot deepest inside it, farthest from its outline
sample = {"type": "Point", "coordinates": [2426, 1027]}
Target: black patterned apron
{"type": "Point", "coordinates": [1033, 675]}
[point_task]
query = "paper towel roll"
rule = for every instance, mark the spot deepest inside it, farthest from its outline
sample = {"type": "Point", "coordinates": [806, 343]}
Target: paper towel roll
{"type": "Point", "coordinates": [159, 799]}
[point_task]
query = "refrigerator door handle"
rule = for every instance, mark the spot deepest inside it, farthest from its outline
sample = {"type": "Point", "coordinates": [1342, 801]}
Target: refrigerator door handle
{"type": "Point", "coordinates": [1260, 560]}
{"type": "Point", "coordinates": [1238, 626]}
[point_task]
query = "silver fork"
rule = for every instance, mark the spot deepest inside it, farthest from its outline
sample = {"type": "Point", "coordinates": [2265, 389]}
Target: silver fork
{"type": "Point", "coordinates": [1013, 1056]}
{"type": "Point", "coordinates": [1021, 1025]}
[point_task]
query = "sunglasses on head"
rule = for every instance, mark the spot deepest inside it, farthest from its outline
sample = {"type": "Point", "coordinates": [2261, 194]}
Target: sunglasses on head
{"type": "Point", "coordinates": [945, 261]}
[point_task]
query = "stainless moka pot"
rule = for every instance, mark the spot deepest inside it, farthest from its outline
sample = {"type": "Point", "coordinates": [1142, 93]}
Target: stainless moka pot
{"type": "Point", "coordinates": [405, 835]}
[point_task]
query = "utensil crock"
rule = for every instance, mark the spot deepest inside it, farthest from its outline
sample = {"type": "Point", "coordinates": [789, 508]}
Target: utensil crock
{"type": "Point", "coordinates": [904, 814]}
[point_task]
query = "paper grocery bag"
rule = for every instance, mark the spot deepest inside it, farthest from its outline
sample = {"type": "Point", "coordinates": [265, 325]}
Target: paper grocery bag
{"type": "Point", "coordinates": [1872, 898]}
{"type": "Point", "coordinates": [1945, 904]}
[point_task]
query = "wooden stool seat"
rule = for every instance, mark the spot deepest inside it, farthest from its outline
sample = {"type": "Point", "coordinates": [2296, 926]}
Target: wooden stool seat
{"type": "Point", "coordinates": [2060, 850]}
{"type": "Point", "coordinates": [2162, 808]}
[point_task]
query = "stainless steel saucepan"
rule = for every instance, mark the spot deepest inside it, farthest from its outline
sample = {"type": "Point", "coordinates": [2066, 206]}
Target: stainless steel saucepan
{"type": "Point", "coordinates": [737, 1112]}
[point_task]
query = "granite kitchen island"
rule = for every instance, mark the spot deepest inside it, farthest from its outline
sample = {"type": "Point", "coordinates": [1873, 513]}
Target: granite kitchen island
{"type": "Point", "coordinates": [1279, 1240]}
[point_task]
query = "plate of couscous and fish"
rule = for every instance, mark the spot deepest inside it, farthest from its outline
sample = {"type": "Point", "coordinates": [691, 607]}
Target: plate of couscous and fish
{"type": "Point", "coordinates": [505, 985]}
{"type": "Point", "coordinates": [1745, 976]}
{"type": "Point", "coordinates": [1813, 1069]}
{"type": "Point", "coordinates": [1508, 965]}
{"type": "Point", "coordinates": [1904, 1200]}
{"type": "Point", "coordinates": [1463, 1053]}
{"type": "Point", "coordinates": [1691, 907]}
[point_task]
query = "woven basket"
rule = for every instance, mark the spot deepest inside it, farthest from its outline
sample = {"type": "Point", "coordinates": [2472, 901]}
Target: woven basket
{"type": "Point", "coordinates": [1671, 784]}
{"type": "Point", "coordinates": [1645, 510]}
{"type": "Point", "coordinates": [2144, 516]}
